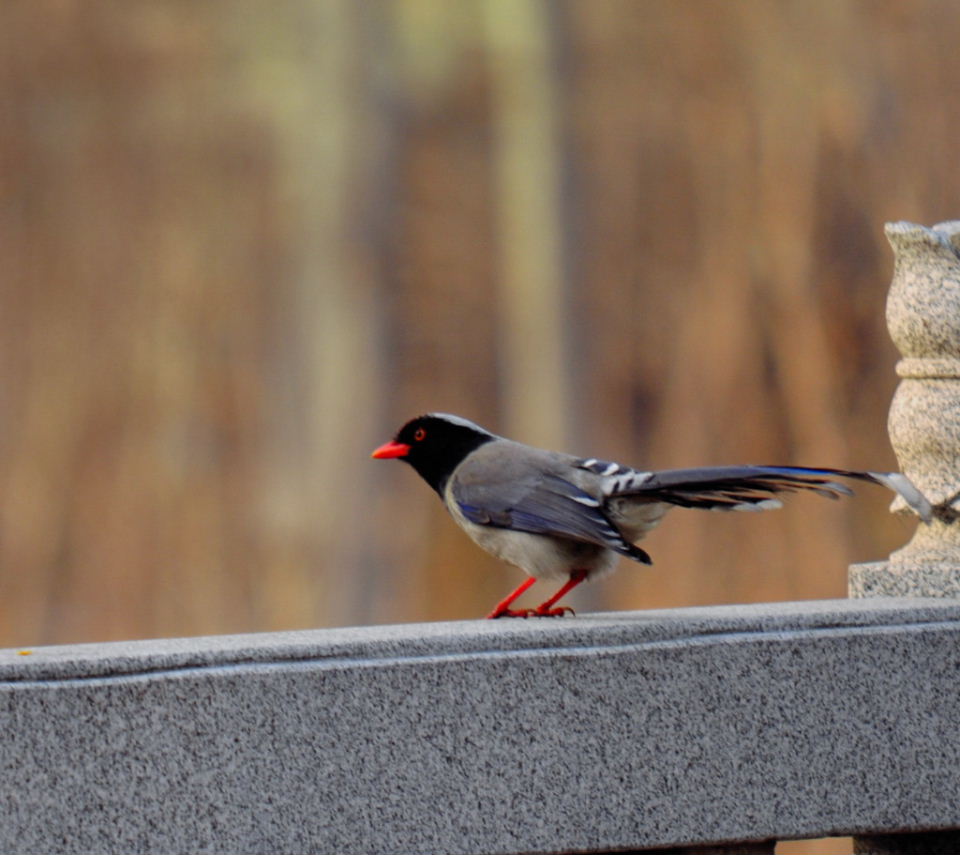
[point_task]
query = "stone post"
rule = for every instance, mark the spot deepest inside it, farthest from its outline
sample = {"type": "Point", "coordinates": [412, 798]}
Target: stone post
{"type": "Point", "coordinates": [923, 315]}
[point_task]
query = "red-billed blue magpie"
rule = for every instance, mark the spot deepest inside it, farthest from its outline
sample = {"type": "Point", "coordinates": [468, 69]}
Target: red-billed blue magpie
{"type": "Point", "coordinates": [558, 516]}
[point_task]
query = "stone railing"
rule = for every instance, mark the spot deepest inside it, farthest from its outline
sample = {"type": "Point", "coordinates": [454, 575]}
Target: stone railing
{"type": "Point", "coordinates": [923, 314]}
{"type": "Point", "coordinates": [704, 730]}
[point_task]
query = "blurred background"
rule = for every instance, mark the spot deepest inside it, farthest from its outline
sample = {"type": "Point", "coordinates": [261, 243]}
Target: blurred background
{"type": "Point", "coordinates": [241, 242]}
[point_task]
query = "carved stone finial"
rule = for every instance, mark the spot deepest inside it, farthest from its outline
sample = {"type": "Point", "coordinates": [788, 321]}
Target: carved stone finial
{"type": "Point", "coordinates": [923, 315]}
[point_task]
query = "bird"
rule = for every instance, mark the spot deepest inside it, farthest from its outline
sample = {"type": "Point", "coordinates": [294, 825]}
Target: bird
{"type": "Point", "coordinates": [565, 518]}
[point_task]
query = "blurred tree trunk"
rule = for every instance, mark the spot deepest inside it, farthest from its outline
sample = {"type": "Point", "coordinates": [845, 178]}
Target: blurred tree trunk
{"type": "Point", "coordinates": [533, 278]}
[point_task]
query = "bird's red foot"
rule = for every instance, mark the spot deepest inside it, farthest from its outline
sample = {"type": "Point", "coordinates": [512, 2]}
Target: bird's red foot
{"type": "Point", "coordinates": [545, 609]}
{"type": "Point", "coordinates": [557, 611]}
{"type": "Point", "coordinates": [499, 613]}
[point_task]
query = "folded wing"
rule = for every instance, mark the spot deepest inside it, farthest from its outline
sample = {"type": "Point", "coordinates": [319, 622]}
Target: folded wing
{"type": "Point", "coordinates": [548, 505]}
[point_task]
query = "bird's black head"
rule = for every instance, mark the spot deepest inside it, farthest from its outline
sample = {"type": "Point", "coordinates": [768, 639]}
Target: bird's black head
{"type": "Point", "coordinates": [434, 445]}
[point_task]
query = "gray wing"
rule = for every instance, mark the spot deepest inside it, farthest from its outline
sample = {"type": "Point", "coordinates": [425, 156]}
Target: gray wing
{"type": "Point", "coordinates": [539, 502]}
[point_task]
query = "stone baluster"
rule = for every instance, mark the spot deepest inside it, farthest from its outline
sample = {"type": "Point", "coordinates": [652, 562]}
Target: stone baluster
{"type": "Point", "coordinates": [923, 315]}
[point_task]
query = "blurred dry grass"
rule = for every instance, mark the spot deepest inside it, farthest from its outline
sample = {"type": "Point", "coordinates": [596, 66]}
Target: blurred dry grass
{"type": "Point", "coordinates": [240, 242]}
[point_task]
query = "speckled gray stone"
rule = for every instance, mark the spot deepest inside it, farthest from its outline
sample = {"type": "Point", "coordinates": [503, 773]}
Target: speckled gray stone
{"type": "Point", "coordinates": [623, 730]}
{"type": "Point", "coordinates": [923, 315]}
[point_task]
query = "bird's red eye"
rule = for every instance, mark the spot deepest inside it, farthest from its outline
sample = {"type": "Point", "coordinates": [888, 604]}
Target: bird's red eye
{"type": "Point", "coordinates": [419, 434]}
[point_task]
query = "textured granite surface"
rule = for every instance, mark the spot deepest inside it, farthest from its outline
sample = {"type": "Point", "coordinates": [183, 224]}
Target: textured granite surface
{"type": "Point", "coordinates": [900, 579]}
{"type": "Point", "coordinates": [622, 730]}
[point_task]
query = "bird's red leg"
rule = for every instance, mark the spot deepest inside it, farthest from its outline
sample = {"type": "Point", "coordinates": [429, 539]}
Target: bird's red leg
{"type": "Point", "coordinates": [546, 609]}
{"type": "Point", "coordinates": [502, 609]}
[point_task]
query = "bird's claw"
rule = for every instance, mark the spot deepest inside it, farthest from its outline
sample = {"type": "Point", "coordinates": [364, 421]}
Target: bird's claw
{"type": "Point", "coordinates": [524, 613]}
{"type": "Point", "coordinates": [558, 611]}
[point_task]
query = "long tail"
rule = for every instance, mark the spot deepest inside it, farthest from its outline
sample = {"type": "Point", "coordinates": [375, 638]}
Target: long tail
{"type": "Point", "coordinates": [754, 488]}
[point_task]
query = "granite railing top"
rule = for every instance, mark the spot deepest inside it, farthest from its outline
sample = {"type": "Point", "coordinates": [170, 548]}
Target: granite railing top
{"type": "Point", "coordinates": [373, 644]}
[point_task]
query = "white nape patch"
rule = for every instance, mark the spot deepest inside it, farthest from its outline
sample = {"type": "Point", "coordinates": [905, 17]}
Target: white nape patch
{"type": "Point", "coordinates": [613, 467]}
{"type": "Point", "coordinates": [589, 501]}
{"type": "Point", "coordinates": [459, 420]}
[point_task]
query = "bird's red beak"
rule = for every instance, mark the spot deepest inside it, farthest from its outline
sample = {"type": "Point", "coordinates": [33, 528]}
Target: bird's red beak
{"type": "Point", "coordinates": [391, 449]}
